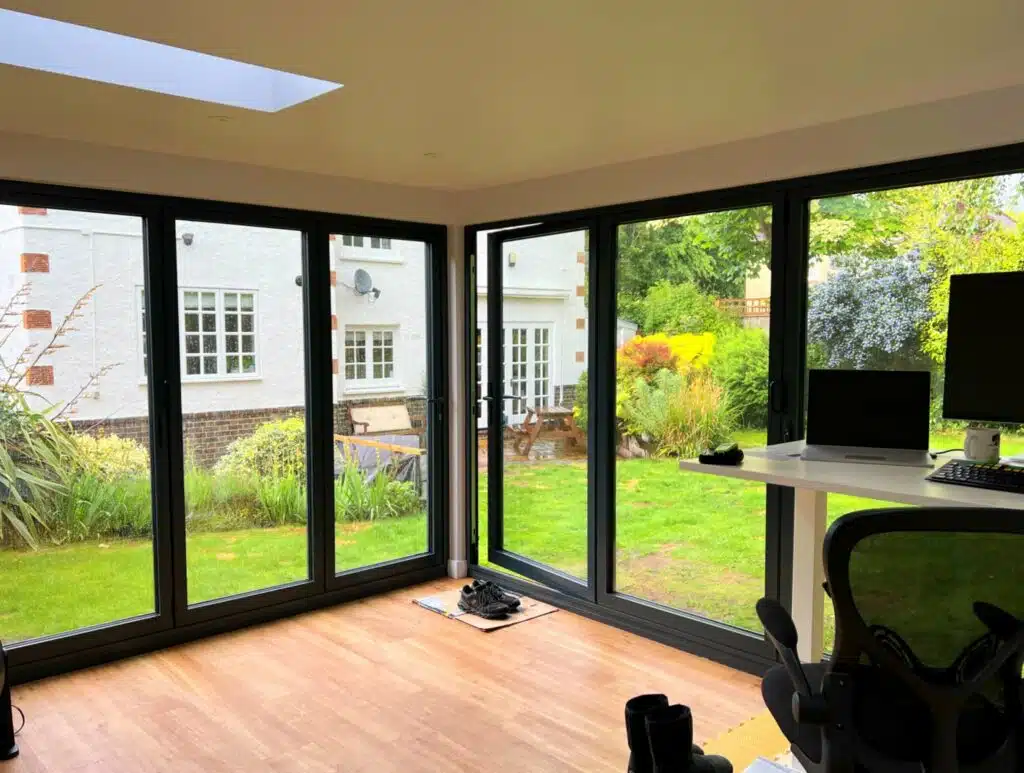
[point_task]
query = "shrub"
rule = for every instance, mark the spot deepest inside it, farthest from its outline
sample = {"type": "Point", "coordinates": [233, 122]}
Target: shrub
{"type": "Point", "coordinates": [220, 502]}
{"type": "Point", "coordinates": [740, 365]}
{"type": "Point", "coordinates": [678, 415]}
{"type": "Point", "coordinates": [96, 507]}
{"type": "Point", "coordinates": [277, 448]}
{"type": "Point", "coordinates": [357, 499]}
{"type": "Point", "coordinates": [282, 501]}
{"type": "Point", "coordinates": [580, 402]}
{"type": "Point", "coordinates": [37, 462]}
{"type": "Point", "coordinates": [681, 308]}
{"type": "Point", "coordinates": [110, 457]}
{"type": "Point", "coordinates": [644, 356]}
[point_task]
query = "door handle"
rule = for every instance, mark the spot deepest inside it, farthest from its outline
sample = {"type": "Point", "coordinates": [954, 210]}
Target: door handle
{"type": "Point", "coordinates": [776, 396]}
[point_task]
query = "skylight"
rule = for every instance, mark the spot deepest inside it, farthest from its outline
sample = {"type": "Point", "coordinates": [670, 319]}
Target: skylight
{"type": "Point", "coordinates": [83, 52]}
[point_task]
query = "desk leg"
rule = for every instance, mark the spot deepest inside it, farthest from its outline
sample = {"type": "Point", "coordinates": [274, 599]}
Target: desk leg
{"type": "Point", "coordinates": [808, 572]}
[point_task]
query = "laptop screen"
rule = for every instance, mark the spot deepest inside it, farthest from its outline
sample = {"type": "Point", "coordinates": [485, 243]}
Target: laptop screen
{"type": "Point", "coordinates": [870, 408]}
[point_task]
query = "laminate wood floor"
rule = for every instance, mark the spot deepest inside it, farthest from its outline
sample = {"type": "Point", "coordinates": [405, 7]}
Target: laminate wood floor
{"type": "Point", "coordinates": [376, 685]}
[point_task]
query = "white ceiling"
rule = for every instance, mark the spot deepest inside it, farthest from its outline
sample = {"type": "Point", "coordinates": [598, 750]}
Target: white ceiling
{"type": "Point", "coordinates": [506, 91]}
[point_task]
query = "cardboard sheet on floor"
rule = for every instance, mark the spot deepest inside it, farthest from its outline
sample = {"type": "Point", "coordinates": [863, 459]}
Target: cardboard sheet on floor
{"type": "Point", "coordinates": [447, 603]}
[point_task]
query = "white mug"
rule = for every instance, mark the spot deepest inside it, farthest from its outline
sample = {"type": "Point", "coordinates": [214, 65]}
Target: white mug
{"type": "Point", "coordinates": [981, 445]}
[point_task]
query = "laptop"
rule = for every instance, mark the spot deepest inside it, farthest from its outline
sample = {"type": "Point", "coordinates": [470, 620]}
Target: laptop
{"type": "Point", "coordinates": [868, 417]}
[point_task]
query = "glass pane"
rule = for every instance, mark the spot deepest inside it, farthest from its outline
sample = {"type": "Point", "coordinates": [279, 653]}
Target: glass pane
{"type": "Point", "coordinates": [248, 343]}
{"type": "Point", "coordinates": [192, 344]}
{"type": "Point", "coordinates": [692, 372]}
{"type": "Point", "coordinates": [230, 301]}
{"type": "Point", "coordinates": [191, 366]}
{"type": "Point", "coordinates": [78, 550]}
{"type": "Point", "coordinates": [878, 288]}
{"type": "Point", "coordinates": [248, 323]}
{"type": "Point", "coordinates": [245, 439]}
{"type": "Point", "coordinates": [209, 323]}
{"type": "Point", "coordinates": [544, 447]}
{"type": "Point", "coordinates": [231, 323]}
{"type": "Point", "coordinates": [192, 323]}
{"type": "Point", "coordinates": [191, 301]}
{"type": "Point", "coordinates": [381, 494]}
{"type": "Point", "coordinates": [357, 241]}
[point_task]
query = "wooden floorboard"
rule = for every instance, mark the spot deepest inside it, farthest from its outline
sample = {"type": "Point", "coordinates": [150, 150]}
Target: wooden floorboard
{"type": "Point", "coordinates": [376, 685]}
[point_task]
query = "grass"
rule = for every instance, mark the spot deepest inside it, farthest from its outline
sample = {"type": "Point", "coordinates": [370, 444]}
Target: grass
{"type": "Point", "coordinates": [61, 589]}
{"type": "Point", "coordinates": [690, 541]}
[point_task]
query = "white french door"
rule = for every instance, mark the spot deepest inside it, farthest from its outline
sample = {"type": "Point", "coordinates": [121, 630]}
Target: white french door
{"type": "Point", "coordinates": [528, 359]}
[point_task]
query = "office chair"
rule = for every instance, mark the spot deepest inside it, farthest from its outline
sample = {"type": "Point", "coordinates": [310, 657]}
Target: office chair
{"type": "Point", "coordinates": [925, 674]}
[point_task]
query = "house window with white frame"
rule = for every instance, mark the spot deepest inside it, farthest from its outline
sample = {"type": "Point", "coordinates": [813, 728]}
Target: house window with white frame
{"type": "Point", "coordinates": [369, 355]}
{"type": "Point", "coordinates": [218, 338]}
{"type": "Point", "coordinates": [373, 242]}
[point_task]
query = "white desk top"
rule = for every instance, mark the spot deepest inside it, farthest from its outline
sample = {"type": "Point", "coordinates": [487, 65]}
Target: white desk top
{"type": "Point", "coordinates": [906, 485]}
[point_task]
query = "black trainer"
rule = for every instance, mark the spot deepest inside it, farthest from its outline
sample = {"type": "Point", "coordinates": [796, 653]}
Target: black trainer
{"type": "Point", "coordinates": [479, 602]}
{"type": "Point", "coordinates": [497, 594]}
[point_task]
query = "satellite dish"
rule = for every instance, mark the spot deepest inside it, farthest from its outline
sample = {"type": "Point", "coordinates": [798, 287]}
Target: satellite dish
{"type": "Point", "coordinates": [363, 281]}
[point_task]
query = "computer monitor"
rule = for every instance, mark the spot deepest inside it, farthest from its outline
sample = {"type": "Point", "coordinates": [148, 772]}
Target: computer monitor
{"type": "Point", "coordinates": [868, 408]}
{"type": "Point", "coordinates": [984, 346]}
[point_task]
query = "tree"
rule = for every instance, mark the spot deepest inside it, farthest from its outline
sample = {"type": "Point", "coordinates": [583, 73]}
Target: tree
{"type": "Point", "coordinates": [715, 252]}
{"type": "Point", "coordinates": [870, 314]}
{"type": "Point", "coordinates": [680, 308]}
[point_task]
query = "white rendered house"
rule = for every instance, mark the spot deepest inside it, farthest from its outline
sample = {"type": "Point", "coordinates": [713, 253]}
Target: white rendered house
{"type": "Point", "coordinates": [239, 318]}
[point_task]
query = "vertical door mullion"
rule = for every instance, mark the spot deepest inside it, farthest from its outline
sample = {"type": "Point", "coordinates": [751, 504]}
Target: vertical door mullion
{"type": "Point", "coordinates": [496, 390]}
{"type": "Point", "coordinates": [158, 380]}
{"type": "Point", "coordinates": [169, 448]}
{"type": "Point", "coordinates": [438, 471]}
{"type": "Point", "coordinates": [602, 257]}
{"type": "Point", "coordinates": [316, 289]}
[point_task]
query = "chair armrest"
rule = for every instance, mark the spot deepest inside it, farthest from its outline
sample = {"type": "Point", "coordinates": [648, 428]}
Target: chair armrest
{"type": "Point", "coordinates": [782, 634]}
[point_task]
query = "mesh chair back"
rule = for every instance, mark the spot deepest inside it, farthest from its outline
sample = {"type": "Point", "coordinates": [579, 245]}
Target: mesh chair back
{"type": "Point", "coordinates": [906, 586]}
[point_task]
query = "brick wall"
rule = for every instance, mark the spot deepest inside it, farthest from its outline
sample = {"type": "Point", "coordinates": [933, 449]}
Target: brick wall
{"type": "Point", "coordinates": [208, 435]}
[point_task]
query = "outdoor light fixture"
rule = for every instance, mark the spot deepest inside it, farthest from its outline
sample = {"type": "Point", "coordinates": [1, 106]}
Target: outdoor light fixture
{"type": "Point", "coordinates": [512, 260]}
{"type": "Point", "coordinates": [62, 48]}
{"type": "Point", "coordinates": [188, 239]}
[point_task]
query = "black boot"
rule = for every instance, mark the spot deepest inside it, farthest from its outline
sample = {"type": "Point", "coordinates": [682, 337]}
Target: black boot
{"type": "Point", "coordinates": [670, 734]}
{"type": "Point", "coordinates": [637, 710]}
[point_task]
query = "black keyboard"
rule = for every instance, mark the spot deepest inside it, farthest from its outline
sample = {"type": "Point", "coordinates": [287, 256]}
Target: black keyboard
{"type": "Point", "coordinates": [1001, 477]}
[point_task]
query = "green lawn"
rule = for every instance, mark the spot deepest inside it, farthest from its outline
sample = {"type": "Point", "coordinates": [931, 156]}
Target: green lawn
{"type": "Point", "coordinates": [690, 541]}
{"type": "Point", "coordinates": [63, 588]}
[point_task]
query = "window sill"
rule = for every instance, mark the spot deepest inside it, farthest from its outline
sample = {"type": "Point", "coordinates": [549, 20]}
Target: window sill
{"type": "Point", "coordinates": [386, 387]}
{"type": "Point", "coordinates": [213, 380]}
{"type": "Point", "coordinates": [369, 257]}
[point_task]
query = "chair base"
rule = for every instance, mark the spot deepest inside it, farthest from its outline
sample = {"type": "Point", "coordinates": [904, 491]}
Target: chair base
{"type": "Point", "coordinates": [9, 754]}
